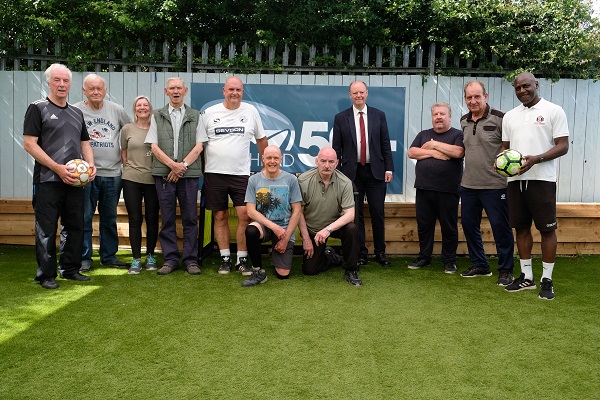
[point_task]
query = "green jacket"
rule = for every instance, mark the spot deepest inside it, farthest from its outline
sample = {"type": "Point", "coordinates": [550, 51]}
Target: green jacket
{"type": "Point", "coordinates": [187, 141]}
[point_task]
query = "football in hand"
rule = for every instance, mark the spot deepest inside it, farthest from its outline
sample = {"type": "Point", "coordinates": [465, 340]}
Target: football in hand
{"type": "Point", "coordinates": [508, 163]}
{"type": "Point", "coordinates": [82, 169]}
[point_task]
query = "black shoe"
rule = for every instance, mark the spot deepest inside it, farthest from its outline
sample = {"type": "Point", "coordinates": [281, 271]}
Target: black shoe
{"type": "Point", "coordinates": [546, 292]}
{"type": "Point", "coordinates": [450, 268]}
{"type": "Point", "coordinates": [115, 263]}
{"type": "Point", "coordinates": [256, 278]}
{"type": "Point", "coordinates": [381, 259]}
{"type": "Point", "coordinates": [352, 278]}
{"type": "Point", "coordinates": [505, 278]}
{"type": "Point", "coordinates": [76, 276]}
{"type": "Point", "coordinates": [225, 267]}
{"type": "Point", "coordinates": [418, 263]}
{"type": "Point", "coordinates": [477, 270]}
{"type": "Point", "coordinates": [49, 283]}
{"type": "Point", "coordinates": [333, 258]}
{"type": "Point", "coordinates": [362, 261]}
{"type": "Point", "coordinates": [520, 284]}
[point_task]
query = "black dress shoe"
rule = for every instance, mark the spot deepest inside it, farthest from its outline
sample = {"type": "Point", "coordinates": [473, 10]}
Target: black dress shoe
{"type": "Point", "coordinates": [381, 259]}
{"type": "Point", "coordinates": [76, 276]}
{"type": "Point", "coordinates": [49, 283]}
{"type": "Point", "coordinates": [362, 261]}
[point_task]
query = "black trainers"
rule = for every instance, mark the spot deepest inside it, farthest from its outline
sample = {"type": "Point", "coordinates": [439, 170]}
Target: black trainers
{"type": "Point", "coordinates": [477, 270]}
{"type": "Point", "coordinates": [505, 278]}
{"type": "Point", "coordinates": [333, 258]}
{"type": "Point", "coordinates": [520, 284]}
{"type": "Point", "coordinates": [242, 267]}
{"type": "Point", "coordinates": [418, 263]}
{"type": "Point", "coordinates": [546, 292]}
{"type": "Point", "coordinates": [256, 278]}
{"type": "Point", "coordinates": [450, 268]}
{"type": "Point", "coordinates": [115, 263]}
{"type": "Point", "coordinates": [225, 266]}
{"type": "Point", "coordinates": [352, 278]}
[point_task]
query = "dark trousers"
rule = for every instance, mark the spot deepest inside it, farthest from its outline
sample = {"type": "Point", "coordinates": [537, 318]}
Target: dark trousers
{"type": "Point", "coordinates": [185, 191]}
{"type": "Point", "coordinates": [318, 262]}
{"type": "Point", "coordinates": [374, 189]}
{"type": "Point", "coordinates": [52, 201]}
{"type": "Point", "coordinates": [442, 206]}
{"type": "Point", "coordinates": [495, 204]}
{"type": "Point", "coordinates": [134, 194]}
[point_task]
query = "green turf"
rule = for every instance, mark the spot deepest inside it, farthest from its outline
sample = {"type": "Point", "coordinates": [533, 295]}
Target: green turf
{"type": "Point", "coordinates": [404, 335]}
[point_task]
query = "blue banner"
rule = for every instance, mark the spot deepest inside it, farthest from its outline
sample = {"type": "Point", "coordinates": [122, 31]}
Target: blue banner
{"type": "Point", "coordinates": [299, 119]}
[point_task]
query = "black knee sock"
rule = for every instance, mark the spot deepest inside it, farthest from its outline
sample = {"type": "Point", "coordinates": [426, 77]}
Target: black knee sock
{"type": "Point", "coordinates": [253, 242]}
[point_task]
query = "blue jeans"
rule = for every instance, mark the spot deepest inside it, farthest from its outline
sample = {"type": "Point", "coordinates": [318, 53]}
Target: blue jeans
{"type": "Point", "coordinates": [103, 192]}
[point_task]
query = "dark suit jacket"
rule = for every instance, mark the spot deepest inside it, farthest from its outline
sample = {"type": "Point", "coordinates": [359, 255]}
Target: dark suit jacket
{"type": "Point", "coordinates": [344, 143]}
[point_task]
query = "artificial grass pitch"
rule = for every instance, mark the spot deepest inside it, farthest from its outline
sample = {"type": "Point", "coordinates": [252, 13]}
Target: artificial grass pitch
{"type": "Point", "coordinates": [404, 335]}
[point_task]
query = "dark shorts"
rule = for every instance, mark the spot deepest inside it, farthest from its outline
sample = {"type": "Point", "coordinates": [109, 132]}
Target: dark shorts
{"type": "Point", "coordinates": [278, 260]}
{"type": "Point", "coordinates": [217, 188]}
{"type": "Point", "coordinates": [532, 200]}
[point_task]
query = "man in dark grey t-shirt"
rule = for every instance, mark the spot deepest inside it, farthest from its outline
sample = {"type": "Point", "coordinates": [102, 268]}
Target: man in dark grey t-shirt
{"type": "Point", "coordinates": [54, 133]}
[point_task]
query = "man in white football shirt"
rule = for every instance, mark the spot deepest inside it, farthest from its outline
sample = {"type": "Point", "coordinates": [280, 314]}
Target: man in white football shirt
{"type": "Point", "coordinates": [538, 129]}
{"type": "Point", "coordinates": [230, 127]}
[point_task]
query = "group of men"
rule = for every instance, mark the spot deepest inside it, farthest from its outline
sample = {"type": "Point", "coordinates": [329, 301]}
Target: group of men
{"type": "Point", "coordinates": [325, 201]}
{"type": "Point", "coordinates": [536, 128]}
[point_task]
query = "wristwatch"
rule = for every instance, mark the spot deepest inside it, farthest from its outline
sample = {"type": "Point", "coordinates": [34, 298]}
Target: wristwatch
{"type": "Point", "coordinates": [328, 227]}
{"type": "Point", "coordinates": [185, 164]}
{"type": "Point", "coordinates": [541, 160]}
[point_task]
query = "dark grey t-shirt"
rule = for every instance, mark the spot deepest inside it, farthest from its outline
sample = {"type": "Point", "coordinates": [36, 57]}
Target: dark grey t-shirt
{"type": "Point", "coordinates": [60, 131]}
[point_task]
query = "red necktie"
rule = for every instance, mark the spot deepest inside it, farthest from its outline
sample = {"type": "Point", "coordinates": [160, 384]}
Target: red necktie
{"type": "Point", "coordinates": [363, 140]}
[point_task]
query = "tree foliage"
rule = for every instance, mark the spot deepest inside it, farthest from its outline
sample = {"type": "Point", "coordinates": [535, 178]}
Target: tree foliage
{"type": "Point", "coordinates": [555, 37]}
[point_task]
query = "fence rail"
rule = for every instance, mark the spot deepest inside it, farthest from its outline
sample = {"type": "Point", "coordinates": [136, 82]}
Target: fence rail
{"type": "Point", "coordinates": [188, 56]}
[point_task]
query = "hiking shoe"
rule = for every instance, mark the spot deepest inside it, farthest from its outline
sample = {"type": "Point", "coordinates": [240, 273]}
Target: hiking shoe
{"type": "Point", "coordinates": [136, 267]}
{"type": "Point", "coordinates": [150, 263]}
{"type": "Point", "coordinates": [505, 278]}
{"type": "Point", "coordinates": [242, 266]}
{"type": "Point", "coordinates": [193, 269]}
{"type": "Point", "coordinates": [418, 263]}
{"type": "Point", "coordinates": [333, 258]}
{"type": "Point", "coordinates": [477, 270]}
{"type": "Point", "coordinates": [520, 284]}
{"type": "Point", "coordinates": [225, 266]}
{"type": "Point", "coordinates": [166, 269]}
{"type": "Point", "coordinates": [450, 268]}
{"type": "Point", "coordinates": [49, 283]}
{"type": "Point", "coordinates": [256, 278]}
{"type": "Point", "coordinates": [86, 266]}
{"type": "Point", "coordinates": [547, 292]}
{"type": "Point", "coordinates": [352, 278]}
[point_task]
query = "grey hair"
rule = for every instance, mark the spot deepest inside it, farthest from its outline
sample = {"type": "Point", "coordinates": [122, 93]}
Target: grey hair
{"type": "Point", "coordinates": [442, 104]}
{"type": "Point", "coordinates": [57, 66]}
{"type": "Point", "coordinates": [135, 118]}
{"type": "Point", "coordinates": [93, 76]}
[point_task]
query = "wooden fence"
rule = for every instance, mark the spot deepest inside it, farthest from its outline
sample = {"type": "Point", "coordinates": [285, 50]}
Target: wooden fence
{"type": "Point", "coordinates": [578, 228]}
{"type": "Point", "coordinates": [187, 56]}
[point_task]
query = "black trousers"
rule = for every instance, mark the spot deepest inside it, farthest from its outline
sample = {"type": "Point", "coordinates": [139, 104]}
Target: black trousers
{"type": "Point", "coordinates": [52, 201]}
{"type": "Point", "coordinates": [374, 189]}
{"type": "Point", "coordinates": [350, 247]}
{"type": "Point", "coordinates": [133, 194]}
{"type": "Point", "coordinates": [442, 206]}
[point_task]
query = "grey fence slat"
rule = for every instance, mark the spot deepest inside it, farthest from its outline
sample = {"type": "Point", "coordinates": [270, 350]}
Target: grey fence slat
{"type": "Point", "coordinates": [190, 55]}
{"type": "Point", "coordinates": [405, 56]}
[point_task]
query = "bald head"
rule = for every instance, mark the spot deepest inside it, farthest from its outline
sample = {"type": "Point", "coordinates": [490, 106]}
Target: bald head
{"type": "Point", "coordinates": [233, 91]}
{"type": "Point", "coordinates": [526, 89]}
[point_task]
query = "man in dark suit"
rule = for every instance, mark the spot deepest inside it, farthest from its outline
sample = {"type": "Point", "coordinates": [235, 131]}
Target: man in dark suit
{"type": "Point", "coordinates": [362, 143]}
